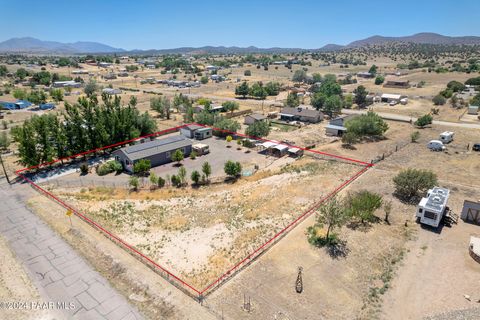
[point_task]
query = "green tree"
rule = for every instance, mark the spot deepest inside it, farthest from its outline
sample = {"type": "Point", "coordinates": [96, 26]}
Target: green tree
{"type": "Point", "coordinates": [424, 121]}
{"type": "Point", "coordinates": [332, 105]}
{"type": "Point", "coordinates": [258, 91]}
{"type": "Point", "coordinates": [379, 80]}
{"type": "Point", "coordinates": [206, 170]}
{"type": "Point", "coordinates": [204, 80]}
{"type": "Point", "coordinates": [232, 169]}
{"type": "Point", "coordinates": [349, 138]}
{"type": "Point", "coordinates": [182, 175]}
{"type": "Point", "coordinates": [56, 94]}
{"type": "Point", "coordinates": [4, 141]}
{"type": "Point", "coordinates": [360, 96]}
{"type": "Point", "coordinates": [37, 97]}
{"type": "Point", "coordinates": [90, 88]}
{"type": "Point", "coordinates": [153, 179]}
{"type": "Point", "coordinates": [439, 100]}
{"type": "Point", "coordinates": [369, 124]}
{"type": "Point", "coordinates": [242, 90]}
{"type": "Point", "coordinates": [258, 129]}
{"type": "Point", "coordinates": [292, 101]}
{"type": "Point", "coordinates": [21, 73]}
{"type": "Point", "coordinates": [160, 182]}
{"type": "Point", "coordinates": [456, 86]}
{"type": "Point", "coordinates": [142, 166]}
{"type": "Point", "coordinates": [333, 215]}
{"type": "Point", "coordinates": [317, 77]}
{"type": "Point", "coordinates": [247, 73]}
{"type": "Point", "coordinates": [162, 105]}
{"type": "Point", "coordinates": [410, 182]}
{"type": "Point", "coordinates": [19, 94]}
{"type": "Point", "coordinates": [3, 71]}
{"type": "Point", "coordinates": [348, 100]}
{"type": "Point", "coordinates": [414, 136]}
{"type": "Point", "coordinates": [133, 182]}
{"type": "Point", "coordinates": [178, 156]}
{"type": "Point", "coordinates": [272, 88]}
{"type": "Point", "coordinates": [195, 176]}
{"type": "Point", "coordinates": [299, 76]}
{"type": "Point", "coordinates": [362, 205]}
{"type": "Point", "coordinates": [230, 106]}
{"type": "Point", "coordinates": [373, 69]}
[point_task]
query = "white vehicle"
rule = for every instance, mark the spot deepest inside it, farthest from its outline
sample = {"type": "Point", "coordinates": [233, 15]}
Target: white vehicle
{"type": "Point", "coordinates": [433, 207]}
{"type": "Point", "coordinates": [436, 145]}
{"type": "Point", "coordinates": [447, 136]}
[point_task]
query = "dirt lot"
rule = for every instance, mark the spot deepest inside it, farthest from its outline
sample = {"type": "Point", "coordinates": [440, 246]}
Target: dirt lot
{"type": "Point", "coordinates": [199, 232]}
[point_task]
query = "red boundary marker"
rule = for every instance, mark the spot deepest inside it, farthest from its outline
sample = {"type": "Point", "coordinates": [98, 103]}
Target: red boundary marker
{"type": "Point", "coordinates": [198, 294]}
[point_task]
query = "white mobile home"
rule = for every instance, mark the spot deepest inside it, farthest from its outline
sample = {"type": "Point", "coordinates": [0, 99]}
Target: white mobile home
{"type": "Point", "coordinates": [433, 207]}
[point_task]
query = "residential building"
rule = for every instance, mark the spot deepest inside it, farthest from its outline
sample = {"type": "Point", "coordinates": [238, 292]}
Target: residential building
{"type": "Point", "coordinates": [158, 151]}
{"type": "Point", "coordinates": [254, 117]}
{"type": "Point", "coordinates": [397, 83]}
{"type": "Point", "coordinates": [301, 113]}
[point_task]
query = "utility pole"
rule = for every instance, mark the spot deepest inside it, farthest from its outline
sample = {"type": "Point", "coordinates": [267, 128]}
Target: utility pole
{"type": "Point", "coordinates": [4, 171]}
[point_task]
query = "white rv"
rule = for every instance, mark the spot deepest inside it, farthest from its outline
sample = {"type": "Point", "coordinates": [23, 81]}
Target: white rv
{"type": "Point", "coordinates": [436, 145]}
{"type": "Point", "coordinates": [447, 136]}
{"type": "Point", "coordinates": [432, 208]}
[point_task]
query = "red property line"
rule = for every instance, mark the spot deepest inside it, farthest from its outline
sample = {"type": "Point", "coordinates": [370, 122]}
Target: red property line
{"type": "Point", "coordinates": [249, 258]}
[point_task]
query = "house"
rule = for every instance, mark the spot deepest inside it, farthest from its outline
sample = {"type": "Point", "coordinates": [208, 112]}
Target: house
{"type": "Point", "coordinates": [111, 91]}
{"type": "Point", "coordinates": [198, 108]}
{"type": "Point", "coordinates": [433, 207]}
{"type": "Point", "coordinates": [189, 131]}
{"type": "Point", "coordinates": [110, 76]}
{"type": "Point", "coordinates": [19, 104]}
{"type": "Point", "coordinates": [389, 97]}
{"type": "Point", "coordinates": [203, 133]}
{"type": "Point", "coordinates": [217, 77]}
{"type": "Point", "coordinates": [254, 117]}
{"type": "Point", "coordinates": [123, 74]}
{"type": "Point", "coordinates": [365, 75]}
{"type": "Point", "coordinates": [104, 64]}
{"type": "Point", "coordinates": [158, 151]}
{"type": "Point", "coordinates": [301, 114]}
{"type": "Point", "coordinates": [64, 84]}
{"type": "Point", "coordinates": [397, 83]}
{"type": "Point", "coordinates": [80, 72]}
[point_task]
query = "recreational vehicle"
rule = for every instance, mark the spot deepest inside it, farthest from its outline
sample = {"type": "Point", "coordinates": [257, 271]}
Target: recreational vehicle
{"type": "Point", "coordinates": [446, 136]}
{"type": "Point", "coordinates": [436, 145]}
{"type": "Point", "coordinates": [433, 207]}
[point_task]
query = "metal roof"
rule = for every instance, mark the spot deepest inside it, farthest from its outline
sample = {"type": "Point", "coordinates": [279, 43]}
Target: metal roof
{"type": "Point", "coordinates": [391, 96]}
{"type": "Point", "coordinates": [437, 199]}
{"type": "Point", "coordinates": [301, 112]}
{"type": "Point", "coordinates": [192, 127]}
{"type": "Point", "coordinates": [332, 126]}
{"type": "Point", "coordinates": [148, 149]}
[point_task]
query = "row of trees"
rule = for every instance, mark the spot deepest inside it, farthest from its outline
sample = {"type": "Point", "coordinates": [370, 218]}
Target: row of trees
{"type": "Point", "coordinates": [258, 89]}
{"type": "Point", "coordinates": [85, 125]}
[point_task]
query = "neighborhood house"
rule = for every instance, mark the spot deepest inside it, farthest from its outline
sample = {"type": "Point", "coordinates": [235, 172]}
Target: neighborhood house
{"type": "Point", "coordinates": [158, 151]}
{"type": "Point", "coordinates": [254, 117]}
{"type": "Point", "coordinates": [301, 114]}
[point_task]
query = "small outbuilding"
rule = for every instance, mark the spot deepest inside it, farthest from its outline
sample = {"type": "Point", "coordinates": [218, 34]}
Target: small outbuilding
{"type": "Point", "coordinates": [397, 83]}
{"type": "Point", "coordinates": [254, 117]}
{"type": "Point", "coordinates": [203, 133]}
{"type": "Point", "coordinates": [471, 212]}
{"type": "Point", "coordinates": [295, 152]}
{"type": "Point", "coordinates": [389, 97]}
{"type": "Point", "coordinates": [189, 131]}
{"type": "Point", "coordinates": [473, 110]}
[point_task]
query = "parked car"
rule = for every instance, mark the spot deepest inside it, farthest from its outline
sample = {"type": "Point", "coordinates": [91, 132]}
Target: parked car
{"type": "Point", "coordinates": [476, 147]}
{"type": "Point", "coordinates": [436, 145]}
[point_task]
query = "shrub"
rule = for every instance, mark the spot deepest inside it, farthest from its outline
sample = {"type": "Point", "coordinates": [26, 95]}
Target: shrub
{"type": "Point", "coordinates": [379, 80]}
{"type": "Point", "coordinates": [195, 176]}
{"type": "Point", "coordinates": [247, 73]}
{"type": "Point", "coordinates": [362, 205]}
{"type": "Point", "coordinates": [133, 182]}
{"type": "Point", "coordinates": [142, 166]}
{"type": "Point", "coordinates": [349, 138]}
{"type": "Point", "coordinates": [175, 180]}
{"type": "Point", "coordinates": [233, 169]}
{"type": "Point", "coordinates": [439, 100]}
{"type": "Point", "coordinates": [424, 121]}
{"type": "Point", "coordinates": [178, 156]}
{"type": "Point", "coordinates": [160, 182]}
{"type": "Point", "coordinates": [370, 124]}
{"type": "Point", "coordinates": [153, 179]}
{"type": "Point", "coordinates": [410, 182]}
{"type": "Point", "coordinates": [193, 155]}
{"type": "Point", "coordinates": [84, 168]}
{"type": "Point", "coordinates": [414, 136]}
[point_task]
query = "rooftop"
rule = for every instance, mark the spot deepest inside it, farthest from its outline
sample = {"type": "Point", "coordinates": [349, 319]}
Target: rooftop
{"type": "Point", "coordinates": [147, 149]}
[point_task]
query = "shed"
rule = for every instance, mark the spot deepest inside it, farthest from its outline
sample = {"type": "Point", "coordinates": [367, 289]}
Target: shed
{"type": "Point", "coordinates": [158, 151]}
{"type": "Point", "coordinates": [295, 152]}
{"type": "Point", "coordinates": [389, 97]}
{"type": "Point", "coordinates": [397, 83]}
{"type": "Point", "coordinates": [334, 130]}
{"type": "Point", "coordinates": [201, 149]}
{"type": "Point", "coordinates": [203, 133]}
{"type": "Point", "coordinates": [254, 117]}
{"type": "Point", "coordinates": [471, 212]}
{"type": "Point", "coordinates": [473, 110]}
{"type": "Point", "coordinates": [189, 131]}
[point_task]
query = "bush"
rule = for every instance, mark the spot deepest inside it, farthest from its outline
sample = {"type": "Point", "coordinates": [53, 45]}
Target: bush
{"type": "Point", "coordinates": [362, 205]}
{"type": "Point", "coordinates": [424, 121]}
{"type": "Point", "coordinates": [456, 86]}
{"type": "Point", "coordinates": [178, 156]}
{"type": "Point", "coordinates": [133, 182]}
{"type": "Point", "coordinates": [142, 166]}
{"type": "Point", "coordinates": [410, 182]}
{"type": "Point", "coordinates": [349, 138]}
{"type": "Point", "coordinates": [414, 136]}
{"type": "Point", "coordinates": [195, 176]}
{"type": "Point", "coordinates": [84, 168]}
{"type": "Point", "coordinates": [193, 155]}
{"type": "Point", "coordinates": [176, 182]}
{"type": "Point", "coordinates": [109, 167]}
{"type": "Point", "coordinates": [379, 80]}
{"type": "Point", "coordinates": [247, 73]}
{"type": "Point", "coordinates": [233, 169]}
{"type": "Point", "coordinates": [160, 182]}
{"type": "Point", "coordinates": [439, 100]}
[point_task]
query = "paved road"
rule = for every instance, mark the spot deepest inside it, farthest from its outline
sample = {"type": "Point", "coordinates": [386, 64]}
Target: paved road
{"type": "Point", "coordinates": [399, 117]}
{"type": "Point", "coordinates": [60, 274]}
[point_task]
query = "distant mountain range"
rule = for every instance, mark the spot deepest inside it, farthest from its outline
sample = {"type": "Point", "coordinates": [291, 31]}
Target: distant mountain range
{"type": "Point", "coordinates": [35, 46]}
{"type": "Point", "coordinates": [32, 45]}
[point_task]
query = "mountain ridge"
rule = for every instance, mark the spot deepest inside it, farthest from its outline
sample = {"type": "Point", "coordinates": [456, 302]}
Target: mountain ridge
{"type": "Point", "coordinates": [33, 45]}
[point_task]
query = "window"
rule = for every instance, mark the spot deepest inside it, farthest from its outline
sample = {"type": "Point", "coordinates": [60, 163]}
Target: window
{"type": "Point", "coordinates": [430, 215]}
{"type": "Point", "coordinates": [127, 162]}
{"type": "Point", "coordinates": [420, 210]}
{"type": "Point", "coordinates": [168, 155]}
{"type": "Point", "coordinates": [117, 158]}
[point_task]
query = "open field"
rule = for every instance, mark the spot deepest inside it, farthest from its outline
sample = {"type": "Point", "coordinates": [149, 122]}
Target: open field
{"type": "Point", "coordinates": [199, 232]}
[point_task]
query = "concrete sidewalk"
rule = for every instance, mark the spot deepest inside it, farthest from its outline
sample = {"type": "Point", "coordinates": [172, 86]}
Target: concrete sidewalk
{"type": "Point", "coordinates": [60, 273]}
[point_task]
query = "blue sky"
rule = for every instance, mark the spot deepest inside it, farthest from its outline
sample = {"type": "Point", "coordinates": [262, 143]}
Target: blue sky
{"type": "Point", "coordinates": [142, 24]}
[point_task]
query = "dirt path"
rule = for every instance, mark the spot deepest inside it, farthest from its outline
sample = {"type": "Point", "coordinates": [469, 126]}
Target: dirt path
{"type": "Point", "coordinates": [424, 286]}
